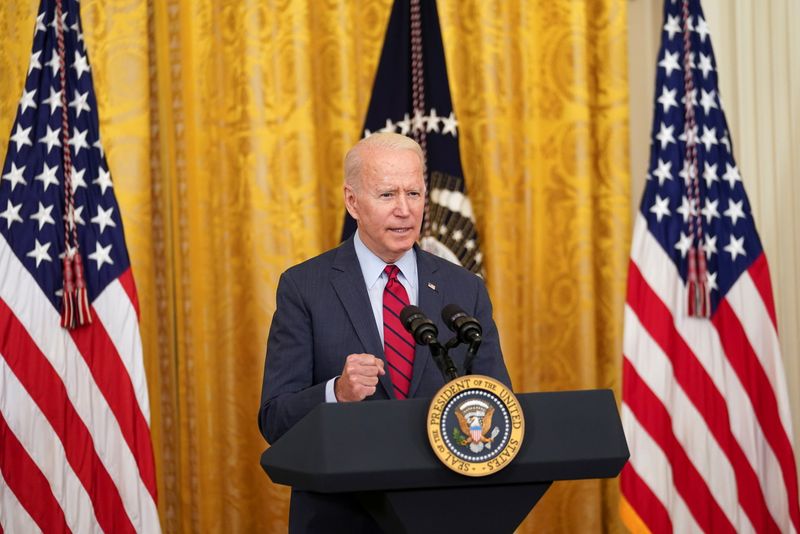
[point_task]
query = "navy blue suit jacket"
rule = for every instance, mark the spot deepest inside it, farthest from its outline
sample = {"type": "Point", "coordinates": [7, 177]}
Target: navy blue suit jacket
{"type": "Point", "coordinates": [323, 314]}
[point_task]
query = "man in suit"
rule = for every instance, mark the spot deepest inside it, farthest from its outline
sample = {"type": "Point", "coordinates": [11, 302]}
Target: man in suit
{"type": "Point", "coordinates": [329, 341]}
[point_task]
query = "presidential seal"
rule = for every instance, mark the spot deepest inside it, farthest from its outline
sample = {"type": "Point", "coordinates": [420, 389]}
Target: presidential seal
{"type": "Point", "coordinates": [475, 425]}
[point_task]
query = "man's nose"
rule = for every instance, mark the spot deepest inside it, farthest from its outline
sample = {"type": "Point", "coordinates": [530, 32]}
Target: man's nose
{"type": "Point", "coordinates": [401, 207]}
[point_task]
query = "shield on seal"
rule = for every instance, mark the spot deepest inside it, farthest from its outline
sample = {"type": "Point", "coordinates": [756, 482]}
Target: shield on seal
{"type": "Point", "coordinates": [475, 428]}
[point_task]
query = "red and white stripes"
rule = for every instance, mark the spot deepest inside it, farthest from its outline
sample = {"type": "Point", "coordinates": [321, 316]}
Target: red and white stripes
{"type": "Point", "coordinates": [74, 416]}
{"type": "Point", "coordinates": [705, 407]}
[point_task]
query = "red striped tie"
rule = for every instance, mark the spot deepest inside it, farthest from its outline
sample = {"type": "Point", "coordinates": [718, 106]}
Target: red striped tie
{"type": "Point", "coordinates": [397, 341]}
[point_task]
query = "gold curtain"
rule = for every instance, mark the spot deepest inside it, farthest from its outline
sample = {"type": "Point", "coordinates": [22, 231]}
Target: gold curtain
{"type": "Point", "coordinates": [225, 123]}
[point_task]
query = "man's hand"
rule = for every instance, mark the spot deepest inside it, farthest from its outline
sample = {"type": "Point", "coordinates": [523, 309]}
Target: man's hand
{"type": "Point", "coordinates": [359, 377]}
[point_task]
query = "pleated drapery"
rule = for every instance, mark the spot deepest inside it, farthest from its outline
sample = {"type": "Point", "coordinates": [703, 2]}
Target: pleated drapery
{"type": "Point", "coordinates": [225, 123]}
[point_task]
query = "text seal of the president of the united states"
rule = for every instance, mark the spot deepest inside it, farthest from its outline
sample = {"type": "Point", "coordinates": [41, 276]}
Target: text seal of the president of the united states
{"type": "Point", "coordinates": [475, 425]}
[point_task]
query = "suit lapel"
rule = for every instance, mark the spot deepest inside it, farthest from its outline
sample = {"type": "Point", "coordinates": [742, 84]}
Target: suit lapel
{"type": "Point", "coordinates": [430, 302]}
{"type": "Point", "coordinates": [348, 282]}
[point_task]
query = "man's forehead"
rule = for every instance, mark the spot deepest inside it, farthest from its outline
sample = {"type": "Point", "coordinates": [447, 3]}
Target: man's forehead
{"type": "Point", "coordinates": [394, 180]}
{"type": "Point", "coordinates": [403, 165]}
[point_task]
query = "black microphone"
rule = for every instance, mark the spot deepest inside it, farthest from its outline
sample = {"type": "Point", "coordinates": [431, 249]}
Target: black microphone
{"type": "Point", "coordinates": [422, 329]}
{"type": "Point", "coordinates": [425, 332]}
{"type": "Point", "coordinates": [467, 329]}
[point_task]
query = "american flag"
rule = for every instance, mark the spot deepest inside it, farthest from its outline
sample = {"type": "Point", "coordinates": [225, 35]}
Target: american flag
{"type": "Point", "coordinates": [704, 403]}
{"type": "Point", "coordinates": [411, 96]}
{"type": "Point", "coordinates": [75, 447]}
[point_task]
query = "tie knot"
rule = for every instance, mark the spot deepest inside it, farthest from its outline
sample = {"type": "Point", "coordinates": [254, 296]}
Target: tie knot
{"type": "Point", "coordinates": [391, 271]}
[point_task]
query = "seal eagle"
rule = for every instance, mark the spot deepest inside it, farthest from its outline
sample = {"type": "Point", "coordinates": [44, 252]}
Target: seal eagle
{"type": "Point", "coordinates": [474, 431]}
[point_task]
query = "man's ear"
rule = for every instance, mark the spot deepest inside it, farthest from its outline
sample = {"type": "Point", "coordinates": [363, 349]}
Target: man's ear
{"type": "Point", "coordinates": [351, 201]}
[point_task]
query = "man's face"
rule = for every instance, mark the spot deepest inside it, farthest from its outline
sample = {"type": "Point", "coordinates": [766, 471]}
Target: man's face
{"type": "Point", "coordinates": [388, 201]}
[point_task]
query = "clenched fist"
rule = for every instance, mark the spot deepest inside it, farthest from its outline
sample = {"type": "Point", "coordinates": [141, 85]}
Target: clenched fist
{"type": "Point", "coordinates": [359, 377]}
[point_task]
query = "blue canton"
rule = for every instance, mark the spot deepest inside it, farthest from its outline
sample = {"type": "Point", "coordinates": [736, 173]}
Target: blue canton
{"type": "Point", "coordinates": [730, 240]}
{"type": "Point", "coordinates": [32, 204]}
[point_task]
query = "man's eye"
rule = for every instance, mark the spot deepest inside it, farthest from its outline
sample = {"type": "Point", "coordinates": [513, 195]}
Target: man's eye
{"type": "Point", "coordinates": [414, 194]}
{"type": "Point", "coordinates": [387, 195]}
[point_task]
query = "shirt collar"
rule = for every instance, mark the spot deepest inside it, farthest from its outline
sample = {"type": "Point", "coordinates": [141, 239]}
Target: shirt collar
{"type": "Point", "coordinates": [372, 266]}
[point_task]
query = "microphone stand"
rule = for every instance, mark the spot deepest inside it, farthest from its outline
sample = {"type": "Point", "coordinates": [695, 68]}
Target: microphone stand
{"type": "Point", "coordinates": [471, 352]}
{"type": "Point", "coordinates": [443, 360]}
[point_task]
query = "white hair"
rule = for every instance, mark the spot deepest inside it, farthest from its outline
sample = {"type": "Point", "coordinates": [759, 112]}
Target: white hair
{"type": "Point", "coordinates": [354, 160]}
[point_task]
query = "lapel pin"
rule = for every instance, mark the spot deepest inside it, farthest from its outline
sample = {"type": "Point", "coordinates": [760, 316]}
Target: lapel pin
{"type": "Point", "coordinates": [432, 285]}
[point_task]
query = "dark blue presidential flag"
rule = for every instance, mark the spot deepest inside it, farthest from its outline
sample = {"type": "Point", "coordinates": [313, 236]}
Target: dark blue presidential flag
{"type": "Point", "coordinates": [411, 96]}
